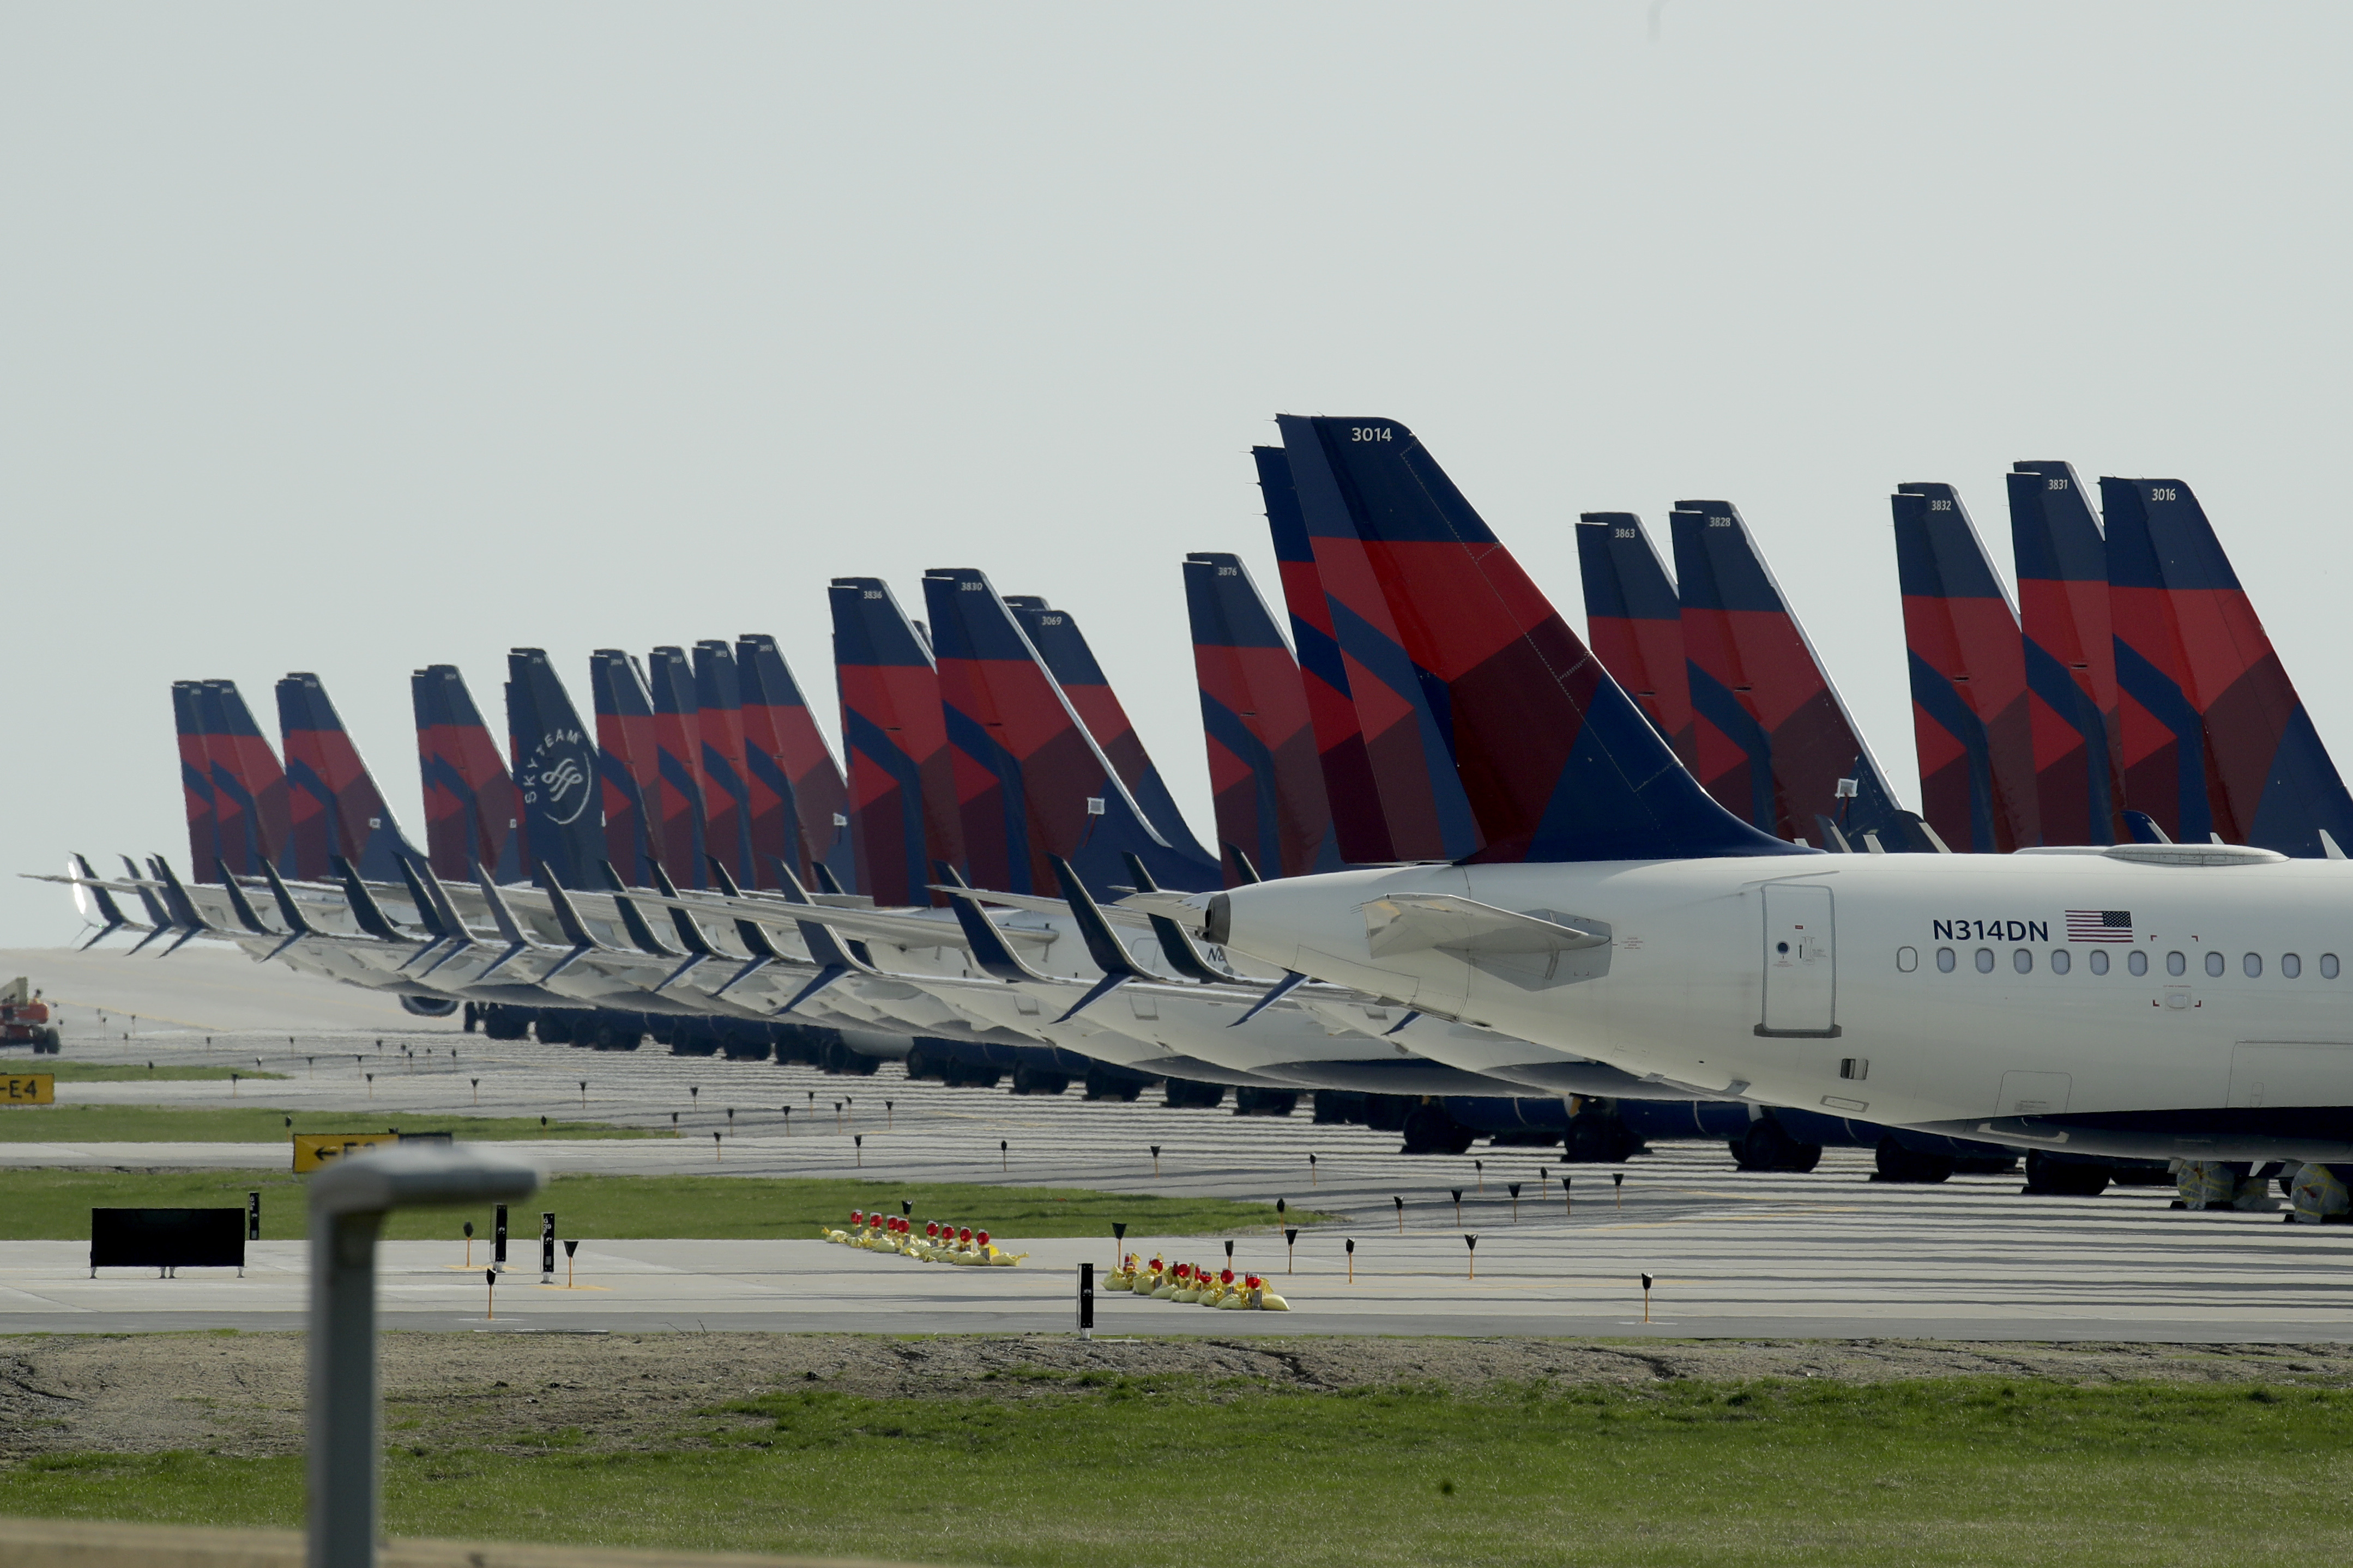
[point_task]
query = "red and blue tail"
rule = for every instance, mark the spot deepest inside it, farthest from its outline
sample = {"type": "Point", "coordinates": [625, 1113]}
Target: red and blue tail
{"type": "Point", "coordinates": [1771, 740]}
{"type": "Point", "coordinates": [1063, 646]}
{"type": "Point", "coordinates": [556, 774]}
{"type": "Point", "coordinates": [800, 803]}
{"type": "Point", "coordinates": [1263, 771]}
{"type": "Point", "coordinates": [472, 812]}
{"type": "Point", "coordinates": [1359, 827]}
{"type": "Point", "coordinates": [902, 784]}
{"type": "Point", "coordinates": [678, 810]}
{"type": "Point", "coordinates": [196, 781]}
{"type": "Point", "coordinates": [1421, 798]}
{"type": "Point", "coordinates": [726, 770]}
{"type": "Point", "coordinates": [2215, 738]}
{"type": "Point", "coordinates": [1032, 784]}
{"type": "Point", "coordinates": [1554, 757]}
{"type": "Point", "coordinates": [333, 805]}
{"type": "Point", "coordinates": [628, 762]}
{"type": "Point", "coordinates": [2071, 656]}
{"type": "Point", "coordinates": [249, 789]}
{"type": "Point", "coordinates": [1634, 623]}
{"type": "Point", "coordinates": [1969, 704]}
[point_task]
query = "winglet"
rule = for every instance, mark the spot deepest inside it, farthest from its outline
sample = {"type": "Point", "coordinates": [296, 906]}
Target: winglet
{"type": "Point", "coordinates": [1291, 981]}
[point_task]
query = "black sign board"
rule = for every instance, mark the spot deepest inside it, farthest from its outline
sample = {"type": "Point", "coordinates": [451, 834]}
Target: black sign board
{"type": "Point", "coordinates": [167, 1238]}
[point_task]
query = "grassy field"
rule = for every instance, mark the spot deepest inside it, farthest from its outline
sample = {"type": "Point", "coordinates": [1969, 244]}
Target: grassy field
{"type": "Point", "coordinates": [1097, 1469]}
{"type": "Point", "coordinates": [69, 1071]}
{"type": "Point", "coordinates": [53, 1204]}
{"type": "Point", "coordinates": [238, 1123]}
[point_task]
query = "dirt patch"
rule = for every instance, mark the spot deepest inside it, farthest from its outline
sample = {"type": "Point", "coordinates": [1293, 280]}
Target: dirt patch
{"type": "Point", "coordinates": [242, 1394]}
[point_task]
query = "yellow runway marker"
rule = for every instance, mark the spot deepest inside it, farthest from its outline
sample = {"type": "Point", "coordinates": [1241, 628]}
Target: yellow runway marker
{"type": "Point", "coordinates": [572, 1287]}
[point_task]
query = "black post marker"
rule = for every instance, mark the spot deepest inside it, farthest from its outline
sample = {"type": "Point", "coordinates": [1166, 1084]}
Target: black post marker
{"type": "Point", "coordinates": [1618, 1180]}
{"type": "Point", "coordinates": [571, 1247]}
{"type": "Point", "coordinates": [730, 1119]}
{"type": "Point", "coordinates": [1352, 1260]}
{"type": "Point", "coordinates": [717, 1152]}
{"type": "Point", "coordinates": [1400, 1208]}
{"type": "Point", "coordinates": [1118, 1242]}
{"type": "Point", "coordinates": [1646, 1298]}
{"type": "Point", "coordinates": [1289, 1240]}
{"type": "Point", "coordinates": [1279, 1207]}
{"type": "Point", "coordinates": [1229, 1254]}
{"type": "Point", "coordinates": [547, 1249]}
{"type": "Point", "coordinates": [1472, 1242]}
{"type": "Point", "coordinates": [837, 1116]}
{"type": "Point", "coordinates": [1004, 1158]}
{"type": "Point", "coordinates": [789, 1120]}
{"type": "Point", "coordinates": [584, 1094]}
{"type": "Point", "coordinates": [858, 1142]}
{"type": "Point", "coordinates": [889, 1117]}
{"type": "Point", "coordinates": [1480, 1166]}
{"type": "Point", "coordinates": [469, 1244]}
{"type": "Point", "coordinates": [253, 1216]}
{"type": "Point", "coordinates": [1156, 1159]}
{"type": "Point", "coordinates": [490, 1301]}
{"type": "Point", "coordinates": [1086, 1300]}
{"type": "Point", "coordinates": [1543, 1174]}
{"type": "Point", "coordinates": [906, 1207]}
{"type": "Point", "coordinates": [1458, 1203]}
{"type": "Point", "coordinates": [499, 1239]}
{"type": "Point", "coordinates": [1513, 1188]}
{"type": "Point", "coordinates": [693, 1091]}
{"type": "Point", "coordinates": [1568, 1200]}
{"type": "Point", "coordinates": [1310, 1171]}
{"type": "Point", "coordinates": [478, 1091]}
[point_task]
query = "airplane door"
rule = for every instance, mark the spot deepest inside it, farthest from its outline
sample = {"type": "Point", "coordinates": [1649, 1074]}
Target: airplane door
{"type": "Point", "coordinates": [1800, 962]}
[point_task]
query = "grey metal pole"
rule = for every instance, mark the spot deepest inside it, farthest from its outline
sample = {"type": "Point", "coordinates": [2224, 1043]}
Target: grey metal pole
{"type": "Point", "coordinates": [344, 1407]}
{"type": "Point", "coordinates": [348, 1202]}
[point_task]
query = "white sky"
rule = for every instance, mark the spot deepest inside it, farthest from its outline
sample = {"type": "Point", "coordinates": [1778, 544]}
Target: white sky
{"type": "Point", "coordinates": [353, 339]}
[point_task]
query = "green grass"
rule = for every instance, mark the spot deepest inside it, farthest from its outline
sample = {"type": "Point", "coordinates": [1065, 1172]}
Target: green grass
{"type": "Point", "coordinates": [236, 1124]}
{"type": "Point", "coordinates": [1103, 1468]}
{"type": "Point", "coordinates": [54, 1206]}
{"type": "Point", "coordinates": [68, 1071]}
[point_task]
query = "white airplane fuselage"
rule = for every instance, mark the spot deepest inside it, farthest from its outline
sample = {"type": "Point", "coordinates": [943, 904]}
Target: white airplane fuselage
{"type": "Point", "coordinates": [1821, 982]}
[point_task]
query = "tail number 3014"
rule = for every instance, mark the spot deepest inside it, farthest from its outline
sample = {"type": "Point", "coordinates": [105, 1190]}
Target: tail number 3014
{"type": "Point", "coordinates": [1371, 433]}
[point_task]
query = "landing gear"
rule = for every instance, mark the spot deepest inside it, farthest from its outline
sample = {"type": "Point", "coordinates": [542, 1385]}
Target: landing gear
{"type": "Point", "coordinates": [1766, 1146]}
{"type": "Point", "coordinates": [1264, 1103]}
{"type": "Point", "coordinates": [1036, 1080]}
{"type": "Point", "coordinates": [1183, 1094]}
{"type": "Point", "coordinates": [1104, 1084]}
{"type": "Point", "coordinates": [1898, 1163]}
{"type": "Point", "coordinates": [1430, 1130]}
{"type": "Point", "coordinates": [2048, 1176]}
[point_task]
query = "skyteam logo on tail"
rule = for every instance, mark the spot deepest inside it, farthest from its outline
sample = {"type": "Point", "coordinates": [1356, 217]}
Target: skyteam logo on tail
{"type": "Point", "coordinates": [557, 773]}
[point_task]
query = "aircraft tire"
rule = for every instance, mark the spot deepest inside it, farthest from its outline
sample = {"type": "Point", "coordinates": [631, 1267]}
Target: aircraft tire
{"type": "Point", "coordinates": [1430, 1130]}
{"type": "Point", "coordinates": [1102, 1085]}
{"type": "Point", "coordinates": [1183, 1094]}
{"type": "Point", "coordinates": [2047, 1177]}
{"type": "Point", "coordinates": [1034, 1080]}
{"type": "Point", "coordinates": [1264, 1103]}
{"type": "Point", "coordinates": [1897, 1164]}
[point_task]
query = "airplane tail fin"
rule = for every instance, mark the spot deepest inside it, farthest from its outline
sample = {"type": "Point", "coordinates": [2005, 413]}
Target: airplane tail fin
{"type": "Point", "coordinates": [1634, 623]}
{"type": "Point", "coordinates": [196, 780]}
{"type": "Point", "coordinates": [1429, 818]}
{"type": "Point", "coordinates": [629, 767]}
{"type": "Point", "coordinates": [789, 758]}
{"type": "Point", "coordinates": [1773, 741]}
{"type": "Point", "coordinates": [680, 790]}
{"type": "Point", "coordinates": [902, 799]}
{"type": "Point", "coordinates": [554, 772]}
{"type": "Point", "coordinates": [1558, 762]}
{"type": "Point", "coordinates": [1263, 774]}
{"type": "Point", "coordinates": [726, 771]}
{"type": "Point", "coordinates": [335, 806]}
{"type": "Point", "coordinates": [1032, 782]}
{"type": "Point", "coordinates": [472, 810]}
{"type": "Point", "coordinates": [1358, 826]}
{"type": "Point", "coordinates": [1063, 646]}
{"type": "Point", "coordinates": [1971, 722]}
{"type": "Point", "coordinates": [251, 809]}
{"type": "Point", "coordinates": [2071, 656]}
{"type": "Point", "coordinates": [2235, 752]}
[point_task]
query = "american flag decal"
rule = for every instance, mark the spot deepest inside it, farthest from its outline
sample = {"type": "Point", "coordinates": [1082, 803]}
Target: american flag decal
{"type": "Point", "coordinates": [2099, 925]}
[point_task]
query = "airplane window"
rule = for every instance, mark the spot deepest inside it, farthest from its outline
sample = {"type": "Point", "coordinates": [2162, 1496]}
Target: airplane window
{"type": "Point", "coordinates": [1907, 959]}
{"type": "Point", "coordinates": [2060, 961]}
{"type": "Point", "coordinates": [2254, 964]}
{"type": "Point", "coordinates": [2099, 961]}
{"type": "Point", "coordinates": [2137, 961]}
{"type": "Point", "coordinates": [2329, 966]}
{"type": "Point", "coordinates": [2215, 965]}
{"type": "Point", "coordinates": [1985, 961]}
{"type": "Point", "coordinates": [2174, 963]}
{"type": "Point", "coordinates": [2022, 961]}
{"type": "Point", "coordinates": [1945, 959]}
{"type": "Point", "coordinates": [2291, 965]}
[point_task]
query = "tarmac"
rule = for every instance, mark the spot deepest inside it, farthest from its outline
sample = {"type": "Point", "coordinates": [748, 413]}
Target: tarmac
{"type": "Point", "coordinates": [1829, 1253]}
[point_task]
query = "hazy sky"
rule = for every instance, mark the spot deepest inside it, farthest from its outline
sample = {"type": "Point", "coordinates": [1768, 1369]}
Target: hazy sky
{"type": "Point", "coordinates": [352, 339]}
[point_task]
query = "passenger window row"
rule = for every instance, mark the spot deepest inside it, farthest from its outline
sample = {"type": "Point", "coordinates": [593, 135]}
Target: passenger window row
{"type": "Point", "coordinates": [2062, 961]}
